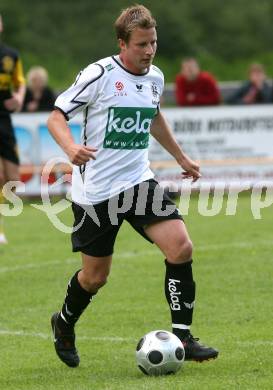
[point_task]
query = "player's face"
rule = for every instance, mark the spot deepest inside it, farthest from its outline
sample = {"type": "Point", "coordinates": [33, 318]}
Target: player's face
{"type": "Point", "coordinates": [138, 54]}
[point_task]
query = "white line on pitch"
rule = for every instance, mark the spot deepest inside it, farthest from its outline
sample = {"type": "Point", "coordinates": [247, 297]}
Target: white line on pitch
{"type": "Point", "coordinates": [243, 244]}
{"type": "Point", "coordinates": [200, 248]}
{"type": "Point", "coordinates": [32, 265]}
{"type": "Point", "coordinates": [46, 336]}
{"type": "Point", "coordinates": [254, 343]}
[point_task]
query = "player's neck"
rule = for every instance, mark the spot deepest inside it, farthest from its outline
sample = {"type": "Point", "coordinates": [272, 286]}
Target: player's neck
{"type": "Point", "coordinates": [130, 67]}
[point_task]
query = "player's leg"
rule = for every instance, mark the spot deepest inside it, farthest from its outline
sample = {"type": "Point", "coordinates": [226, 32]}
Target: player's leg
{"type": "Point", "coordinates": [8, 171]}
{"type": "Point", "coordinates": [3, 239]}
{"type": "Point", "coordinates": [96, 243]}
{"type": "Point", "coordinates": [82, 287]}
{"type": "Point", "coordinates": [80, 291]}
{"type": "Point", "coordinates": [9, 162]}
{"type": "Point", "coordinates": [11, 170]}
{"type": "Point", "coordinates": [172, 238]}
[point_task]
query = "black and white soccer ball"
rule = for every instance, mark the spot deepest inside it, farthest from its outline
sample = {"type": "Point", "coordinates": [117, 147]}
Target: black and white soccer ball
{"type": "Point", "coordinates": [160, 353]}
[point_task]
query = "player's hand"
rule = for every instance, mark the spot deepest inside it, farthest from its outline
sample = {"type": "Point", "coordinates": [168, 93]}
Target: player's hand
{"type": "Point", "coordinates": [80, 154]}
{"type": "Point", "coordinates": [14, 103]}
{"type": "Point", "coordinates": [191, 168]}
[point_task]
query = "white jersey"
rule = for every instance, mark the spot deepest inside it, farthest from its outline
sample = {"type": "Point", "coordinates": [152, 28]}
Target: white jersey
{"type": "Point", "coordinates": [118, 108]}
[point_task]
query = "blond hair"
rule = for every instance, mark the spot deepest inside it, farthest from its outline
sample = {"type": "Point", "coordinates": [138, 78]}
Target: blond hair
{"type": "Point", "coordinates": [256, 67]}
{"type": "Point", "coordinates": [37, 71]}
{"type": "Point", "coordinates": [131, 18]}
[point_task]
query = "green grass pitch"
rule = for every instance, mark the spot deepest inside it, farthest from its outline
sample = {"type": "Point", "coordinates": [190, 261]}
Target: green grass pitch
{"type": "Point", "coordinates": [233, 271]}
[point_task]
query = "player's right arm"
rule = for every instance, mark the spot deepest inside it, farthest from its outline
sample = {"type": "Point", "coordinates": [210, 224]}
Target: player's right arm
{"type": "Point", "coordinates": [77, 154]}
{"type": "Point", "coordinates": [83, 93]}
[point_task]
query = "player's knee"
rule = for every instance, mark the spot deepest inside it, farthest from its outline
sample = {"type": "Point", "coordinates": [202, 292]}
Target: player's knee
{"type": "Point", "coordinates": [182, 251]}
{"type": "Point", "coordinates": [93, 283]}
{"type": "Point", "coordinates": [98, 282]}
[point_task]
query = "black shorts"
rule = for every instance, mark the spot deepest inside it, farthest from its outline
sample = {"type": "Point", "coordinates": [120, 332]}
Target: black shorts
{"type": "Point", "coordinates": [96, 227]}
{"type": "Point", "coordinates": [8, 146]}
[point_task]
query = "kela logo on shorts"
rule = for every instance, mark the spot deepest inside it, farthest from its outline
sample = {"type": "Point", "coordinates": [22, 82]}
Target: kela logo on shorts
{"type": "Point", "coordinates": [175, 305]}
{"type": "Point", "coordinates": [128, 127]}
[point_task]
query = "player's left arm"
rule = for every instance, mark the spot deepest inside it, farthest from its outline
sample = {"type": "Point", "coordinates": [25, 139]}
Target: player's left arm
{"type": "Point", "coordinates": [162, 132]}
{"type": "Point", "coordinates": [15, 103]}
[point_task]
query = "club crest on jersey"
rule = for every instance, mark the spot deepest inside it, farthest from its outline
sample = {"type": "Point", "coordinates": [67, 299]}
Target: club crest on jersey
{"type": "Point", "coordinates": [120, 89]}
{"type": "Point", "coordinates": [154, 89]}
{"type": "Point", "coordinates": [128, 127]}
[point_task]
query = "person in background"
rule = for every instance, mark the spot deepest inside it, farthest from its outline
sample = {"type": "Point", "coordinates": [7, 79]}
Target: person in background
{"type": "Point", "coordinates": [255, 90]}
{"type": "Point", "coordinates": [12, 92]}
{"type": "Point", "coordinates": [195, 87]}
{"type": "Point", "coordinates": [39, 97]}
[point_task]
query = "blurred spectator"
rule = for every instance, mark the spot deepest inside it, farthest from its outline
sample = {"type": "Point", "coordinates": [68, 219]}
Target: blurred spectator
{"type": "Point", "coordinates": [256, 90]}
{"type": "Point", "coordinates": [195, 87]}
{"type": "Point", "coordinates": [39, 97]}
{"type": "Point", "coordinates": [12, 92]}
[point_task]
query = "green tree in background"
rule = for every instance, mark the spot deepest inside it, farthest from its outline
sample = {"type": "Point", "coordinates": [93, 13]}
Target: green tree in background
{"type": "Point", "coordinates": [65, 36]}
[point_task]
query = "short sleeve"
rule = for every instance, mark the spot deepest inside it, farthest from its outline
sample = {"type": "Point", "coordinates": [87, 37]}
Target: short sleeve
{"type": "Point", "coordinates": [157, 86]}
{"type": "Point", "coordinates": [82, 93]}
{"type": "Point", "coordinates": [162, 85]}
{"type": "Point", "coordinates": [161, 90]}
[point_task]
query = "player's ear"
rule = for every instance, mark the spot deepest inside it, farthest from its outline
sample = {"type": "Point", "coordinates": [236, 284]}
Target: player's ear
{"type": "Point", "coordinates": [122, 44]}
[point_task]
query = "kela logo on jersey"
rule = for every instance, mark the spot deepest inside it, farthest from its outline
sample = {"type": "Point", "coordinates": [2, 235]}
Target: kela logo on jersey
{"type": "Point", "coordinates": [128, 127]}
{"type": "Point", "coordinates": [119, 89]}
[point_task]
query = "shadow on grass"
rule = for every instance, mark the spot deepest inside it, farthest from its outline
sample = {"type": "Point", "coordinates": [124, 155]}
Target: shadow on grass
{"type": "Point", "coordinates": [98, 376]}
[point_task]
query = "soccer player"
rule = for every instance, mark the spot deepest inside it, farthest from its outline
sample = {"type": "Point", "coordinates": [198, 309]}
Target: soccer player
{"type": "Point", "coordinates": [12, 92]}
{"type": "Point", "coordinates": [112, 181]}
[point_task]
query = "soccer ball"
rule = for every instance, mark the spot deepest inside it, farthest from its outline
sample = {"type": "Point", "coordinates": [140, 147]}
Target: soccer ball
{"type": "Point", "coordinates": [159, 353]}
